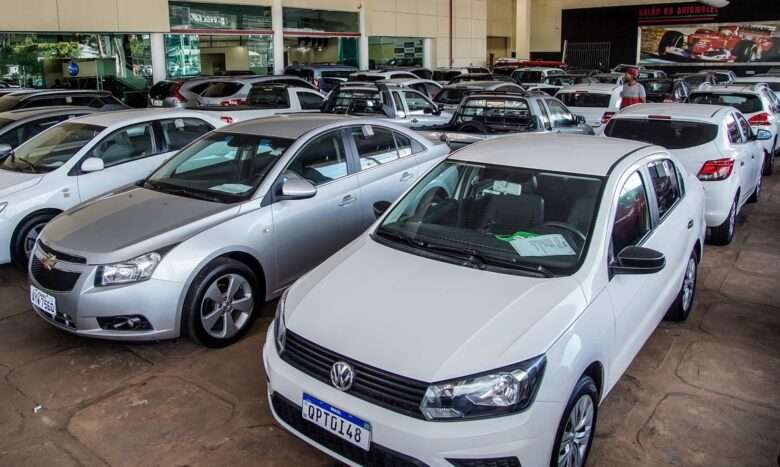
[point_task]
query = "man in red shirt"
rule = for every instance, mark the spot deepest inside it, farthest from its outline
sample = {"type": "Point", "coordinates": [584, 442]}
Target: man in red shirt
{"type": "Point", "coordinates": [633, 91]}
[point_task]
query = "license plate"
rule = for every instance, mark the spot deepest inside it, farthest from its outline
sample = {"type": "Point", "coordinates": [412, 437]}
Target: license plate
{"type": "Point", "coordinates": [157, 103]}
{"type": "Point", "coordinates": [43, 301]}
{"type": "Point", "coordinates": [342, 424]}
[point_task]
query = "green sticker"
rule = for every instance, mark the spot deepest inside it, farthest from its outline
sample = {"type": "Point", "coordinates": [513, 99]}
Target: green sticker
{"type": "Point", "coordinates": [518, 234]}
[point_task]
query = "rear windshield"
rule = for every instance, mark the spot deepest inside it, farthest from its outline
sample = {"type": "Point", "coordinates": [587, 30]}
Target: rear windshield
{"type": "Point", "coordinates": [336, 74]}
{"type": "Point", "coordinates": [528, 76]}
{"type": "Point", "coordinates": [667, 133]}
{"type": "Point", "coordinates": [561, 80]}
{"type": "Point", "coordinates": [424, 74]}
{"type": "Point", "coordinates": [355, 101]}
{"type": "Point", "coordinates": [162, 89]}
{"type": "Point", "coordinates": [366, 78]}
{"type": "Point", "coordinates": [268, 97]}
{"type": "Point", "coordinates": [658, 87]}
{"type": "Point", "coordinates": [440, 75]}
{"type": "Point", "coordinates": [773, 86]}
{"type": "Point", "coordinates": [495, 113]}
{"type": "Point", "coordinates": [584, 99]}
{"type": "Point", "coordinates": [452, 96]}
{"type": "Point", "coordinates": [745, 103]}
{"type": "Point", "coordinates": [695, 80]}
{"type": "Point", "coordinates": [222, 89]}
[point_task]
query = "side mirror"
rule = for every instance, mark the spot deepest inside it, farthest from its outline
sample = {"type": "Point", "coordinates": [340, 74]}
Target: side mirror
{"type": "Point", "coordinates": [5, 151]}
{"type": "Point", "coordinates": [380, 207]}
{"type": "Point", "coordinates": [580, 119]}
{"type": "Point", "coordinates": [298, 188]}
{"type": "Point", "coordinates": [92, 164]}
{"type": "Point", "coordinates": [761, 135]}
{"type": "Point", "coordinates": [638, 260]}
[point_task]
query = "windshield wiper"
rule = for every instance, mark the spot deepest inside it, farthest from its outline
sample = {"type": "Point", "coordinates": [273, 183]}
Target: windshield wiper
{"type": "Point", "coordinates": [480, 260]}
{"type": "Point", "coordinates": [179, 190]}
{"type": "Point", "coordinates": [399, 237]}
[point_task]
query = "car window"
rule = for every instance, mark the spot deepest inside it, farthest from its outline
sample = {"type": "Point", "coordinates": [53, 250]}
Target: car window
{"type": "Point", "coordinates": [321, 161]}
{"type": "Point", "coordinates": [375, 146]}
{"type": "Point", "coordinates": [88, 101]}
{"type": "Point", "coordinates": [309, 101]}
{"type": "Point", "coordinates": [405, 145]}
{"type": "Point", "coordinates": [495, 112]}
{"type": "Point", "coordinates": [747, 132]}
{"type": "Point", "coordinates": [665, 184]}
{"type": "Point", "coordinates": [268, 97]}
{"type": "Point", "coordinates": [745, 103]}
{"type": "Point", "coordinates": [420, 87]}
{"type": "Point", "coordinates": [671, 134]}
{"type": "Point", "coordinates": [43, 102]}
{"type": "Point", "coordinates": [399, 105]}
{"type": "Point", "coordinates": [22, 133]}
{"type": "Point", "coordinates": [416, 102]}
{"type": "Point", "coordinates": [732, 129]}
{"type": "Point", "coordinates": [632, 217]}
{"type": "Point", "coordinates": [179, 132]}
{"type": "Point", "coordinates": [559, 115]}
{"type": "Point", "coordinates": [221, 89]}
{"type": "Point", "coordinates": [584, 99]}
{"type": "Point", "coordinates": [544, 115]}
{"type": "Point", "coordinates": [124, 145]}
{"type": "Point", "coordinates": [51, 149]}
{"type": "Point", "coordinates": [431, 89]}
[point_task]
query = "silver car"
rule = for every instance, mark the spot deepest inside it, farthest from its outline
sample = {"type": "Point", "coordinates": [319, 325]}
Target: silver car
{"type": "Point", "coordinates": [229, 222]}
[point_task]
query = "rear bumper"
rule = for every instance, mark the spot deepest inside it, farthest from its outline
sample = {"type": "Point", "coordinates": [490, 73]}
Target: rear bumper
{"type": "Point", "coordinates": [718, 198]}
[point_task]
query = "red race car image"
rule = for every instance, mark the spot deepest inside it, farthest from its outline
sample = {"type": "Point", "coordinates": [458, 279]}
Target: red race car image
{"type": "Point", "coordinates": [726, 44]}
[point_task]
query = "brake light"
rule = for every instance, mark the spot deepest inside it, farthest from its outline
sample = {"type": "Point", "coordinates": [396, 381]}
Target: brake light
{"type": "Point", "coordinates": [718, 169]}
{"type": "Point", "coordinates": [761, 119]}
{"type": "Point", "coordinates": [177, 95]}
{"type": "Point", "coordinates": [232, 102]}
{"type": "Point", "coordinates": [605, 118]}
{"type": "Point", "coordinates": [227, 119]}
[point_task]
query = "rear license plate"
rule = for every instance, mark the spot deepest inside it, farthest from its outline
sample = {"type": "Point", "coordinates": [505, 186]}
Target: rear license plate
{"type": "Point", "coordinates": [43, 301]}
{"type": "Point", "coordinates": [338, 422]}
{"type": "Point", "coordinates": [157, 103]}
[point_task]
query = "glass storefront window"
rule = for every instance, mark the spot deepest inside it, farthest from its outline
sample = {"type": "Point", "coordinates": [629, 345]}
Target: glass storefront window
{"type": "Point", "coordinates": [120, 63]}
{"type": "Point", "coordinates": [310, 50]}
{"type": "Point", "coordinates": [201, 54]}
{"type": "Point", "coordinates": [204, 16]}
{"type": "Point", "coordinates": [395, 51]}
{"type": "Point", "coordinates": [303, 19]}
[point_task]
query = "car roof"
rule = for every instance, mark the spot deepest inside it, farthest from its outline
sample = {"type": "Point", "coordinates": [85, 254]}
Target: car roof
{"type": "Point", "coordinates": [481, 84]}
{"type": "Point", "coordinates": [598, 88]}
{"type": "Point", "coordinates": [703, 112]}
{"type": "Point", "coordinates": [137, 115]}
{"type": "Point", "coordinates": [21, 114]}
{"type": "Point", "coordinates": [611, 73]}
{"type": "Point", "coordinates": [290, 126]}
{"type": "Point", "coordinates": [594, 156]}
{"type": "Point", "coordinates": [757, 79]}
{"type": "Point", "coordinates": [403, 81]}
{"type": "Point", "coordinates": [46, 92]}
{"type": "Point", "coordinates": [730, 89]}
{"type": "Point", "coordinates": [538, 68]}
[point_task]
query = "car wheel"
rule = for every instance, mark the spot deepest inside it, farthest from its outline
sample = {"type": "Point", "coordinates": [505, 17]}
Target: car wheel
{"type": "Point", "coordinates": [577, 426]}
{"type": "Point", "coordinates": [769, 161]}
{"type": "Point", "coordinates": [724, 233]}
{"type": "Point", "coordinates": [25, 237]}
{"type": "Point", "coordinates": [220, 303]}
{"type": "Point", "coordinates": [683, 304]}
{"type": "Point", "coordinates": [757, 192]}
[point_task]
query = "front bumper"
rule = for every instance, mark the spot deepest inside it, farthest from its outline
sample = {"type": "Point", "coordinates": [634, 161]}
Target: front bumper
{"type": "Point", "coordinates": [527, 436]}
{"type": "Point", "coordinates": [79, 308]}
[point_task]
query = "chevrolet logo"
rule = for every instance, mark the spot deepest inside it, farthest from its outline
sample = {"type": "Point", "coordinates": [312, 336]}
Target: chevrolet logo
{"type": "Point", "coordinates": [48, 261]}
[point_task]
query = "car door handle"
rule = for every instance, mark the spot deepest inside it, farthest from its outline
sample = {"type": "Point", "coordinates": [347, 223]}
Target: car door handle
{"type": "Point", "coordinates": [414, 120]}
{"type": "Point", "coordinates": [347, 200]}
{"type": "Point", "coordinates": [690, 224]}
{"type": "Point", "coordinates": [742, 164]}
{"type": "Point", "coordinates": [406, 176]}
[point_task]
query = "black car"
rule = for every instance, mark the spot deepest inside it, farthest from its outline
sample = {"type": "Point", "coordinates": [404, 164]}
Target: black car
{"type": "Point", "coordinates": [59, 97]}
{"type": "Point", "coordinates": [17, 126]}
{"type": "Point", "coordinates": [666, 90]}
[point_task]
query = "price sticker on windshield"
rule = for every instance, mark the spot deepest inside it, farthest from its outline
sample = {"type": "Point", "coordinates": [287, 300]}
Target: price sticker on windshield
{"type": "Point", "coordinates": [543, 245]}
{"type": "Point", "coordinates": [368, 131]}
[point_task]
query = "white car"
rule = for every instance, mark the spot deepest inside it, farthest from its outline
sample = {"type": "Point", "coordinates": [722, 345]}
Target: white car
{"type": "Point", "coordinates": [757, 103]}
{"type": "Point", "coordinates": [265, 100]}
{"type": "Point", "coordinates": [534, 75]}
{"type": "Point", "coordinates": [772, 81]}
{"type": "Point", "coordinates": [609, 78]}
{"type": "Point", "coordinates": [498, 314]}
{"type": "Point", "coordinates": [371, 76]}
{"type": "Point", "coordinates": [596, 102]}
{"type": "Point", "coordinates": [714, 142]}
{"type": "Point", "coordinates": [234, 91]}
{"type": "Point", "coordinates": [83, 158]}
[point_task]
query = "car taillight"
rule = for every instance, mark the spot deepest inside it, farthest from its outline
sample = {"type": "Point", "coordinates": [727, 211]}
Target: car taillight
{"type": "Point", "coordinates": [227, 119]}
{"type": "Point", "coordinates": [718, 169]}
{"type": "Point", "coordinates": [605, 118]}
{"type": "Point", "coordinates": [668, 98]}
{"type": "Point", "coordinates": [761, 119]}
{"type": "Point", "coordinates": [177, 95]}
{"type": "Point", "coordinates": [232, 102]}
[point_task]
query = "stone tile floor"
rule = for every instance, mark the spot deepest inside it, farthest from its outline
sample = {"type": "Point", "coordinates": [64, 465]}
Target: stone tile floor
{"type": "Point", "coordinates": [702, 393]}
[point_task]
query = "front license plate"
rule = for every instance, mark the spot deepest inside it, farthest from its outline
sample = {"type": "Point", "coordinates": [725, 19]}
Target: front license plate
{"type": "Point", "coordinates": [43, 300]}
{"type": "Point", "coordinates": [342, 424]}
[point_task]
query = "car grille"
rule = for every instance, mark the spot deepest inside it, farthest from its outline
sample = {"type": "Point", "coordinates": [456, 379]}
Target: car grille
{"type": "Point", "coordinates": [393, 392]}
{"type": "Point", "coordinates": [54, 279]}
{"type": "Point", "coordinates": [62, 256]}
{"type": "Point", "coordinates": [377, 456]}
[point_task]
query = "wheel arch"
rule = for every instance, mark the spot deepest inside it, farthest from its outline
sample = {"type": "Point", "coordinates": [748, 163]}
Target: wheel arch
{"type": "Point", "coordinates": [596, 371]}
{"type": "Point", "coordinates": [14, 235]}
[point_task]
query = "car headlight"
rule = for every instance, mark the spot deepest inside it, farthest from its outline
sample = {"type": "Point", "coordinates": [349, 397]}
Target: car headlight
{"type": "Point", "coordinates": [280, 327]}
{"type": "Point", "coordinates": [499, 392]}
{"type": "Point", "coordinates": [135, 270]}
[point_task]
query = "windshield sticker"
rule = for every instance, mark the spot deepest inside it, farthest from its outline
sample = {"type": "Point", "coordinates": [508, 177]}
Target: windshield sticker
{"type": "Point", "coordinates": [516, 235]}
{"type": "Point", "coordinates": [233, 188]}
{"type": "Point", "coordinates": [367, 131]}
{"type": "Point", "coordinates": [543, 245]}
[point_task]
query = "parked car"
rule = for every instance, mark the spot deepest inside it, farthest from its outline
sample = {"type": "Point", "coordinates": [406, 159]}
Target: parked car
{"type": "Point", "coordinates": [553, 84]}
{"type": "Point", "coordinates": [19, 91]}
{"type": "Point", "coordinates": [714, 142]}
{"type": "Point", "coordinates": [323, 77]}
{"type": "Point", "coordinates": [596, 102]}
{"type": "Point", "coordinates": [722, 76]}
{"type": "Point", "coordinates": [772, 81]}
{"type": "Point", "coordinates": [59, 97]}
{"type": "Point", "coordinates": [420, 72]}
{"type": "Point", "coordinates": [481, 77]}
{"type": "Point", "coordinates": [696, 80]}
{"type": "Point", "coordinates": [239, 215]}
{"type": "Point", "coordinates": [757, 103]}
{"type": "Point", "coordinates": [665, 90]}
{"type": "Point", "coordinates": [729, 43]}
{"type": "Point", "coordinates": [234, 91]}
{"type": "Point", "coordinates": [446, 74]}
{"type": "Point", "coordinates": [451, 95]}
{"type": "Point", "coordinates": [178, 92]}
{"type": "Point", "coordinates": [500, 313]}
{"type": "Point", "coordinates": [372, 76]}
{"type": "Point", "coordinates": [17, 126]}
{"type": "Point", "coordinates": [609, 78]}
{"type": "Point", "coordinates": [428, 87]}
{"type": "Point", "coordinates": [266, 99]}
{"type": "Point", "coordinates": [131, 90]}
{"type": "Point", "coordinates": [489, 114]}
{"type": "Point", "coordinates": [652, 74]}
{"type": "Point", "coordinates": [403, 106]}
{"type": "Point", "coordinates": [83, 158]}
{"type": "Point", "coordinates": [534, 75]}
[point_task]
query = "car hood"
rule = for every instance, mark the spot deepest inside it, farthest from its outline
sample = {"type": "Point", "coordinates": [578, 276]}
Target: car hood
{"type": "Point", "coordinates": [11, 182]}
{"type": "Point", "coordinates": [426, 319]}
{"type": "Point", "coordinates": [131, 222]}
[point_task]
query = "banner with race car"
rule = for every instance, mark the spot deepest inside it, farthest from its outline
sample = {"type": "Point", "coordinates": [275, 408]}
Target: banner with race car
{"type": "Point", "coordinates": [735, 43]}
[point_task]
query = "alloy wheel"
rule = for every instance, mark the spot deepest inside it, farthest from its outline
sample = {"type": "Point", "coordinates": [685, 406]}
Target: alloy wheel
{"type": "Point", "coordinates": [227, 306]}
{"type": "Point", "coordinates": [576, 435]}
{"type": "Point", "coordinates": [689, 284]}
{"type": "Point", "coordinates": [31, 238]}
{"type": "Point", "coordinates": [732, 219]}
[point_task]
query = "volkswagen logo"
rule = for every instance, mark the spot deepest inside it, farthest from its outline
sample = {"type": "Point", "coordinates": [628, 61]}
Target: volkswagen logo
{"type": "Point", "coordinates": [48, 261]}
{"type": "Point", "coordinates": [342, 375]}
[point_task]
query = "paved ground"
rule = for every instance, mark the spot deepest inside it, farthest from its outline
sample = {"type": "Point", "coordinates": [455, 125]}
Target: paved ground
{"type": "Point", "coordinates": [705, 393]}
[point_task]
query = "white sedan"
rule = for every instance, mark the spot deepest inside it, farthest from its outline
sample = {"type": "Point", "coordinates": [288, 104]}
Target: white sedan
{"type": "Point", "coordinates": [493, 307]}
{"type": "Point", "coordinates": [80, 159]}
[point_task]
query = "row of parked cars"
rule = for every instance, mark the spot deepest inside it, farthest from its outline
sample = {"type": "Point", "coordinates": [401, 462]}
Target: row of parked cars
{"type": "Point", "coordinates": [463, 289]}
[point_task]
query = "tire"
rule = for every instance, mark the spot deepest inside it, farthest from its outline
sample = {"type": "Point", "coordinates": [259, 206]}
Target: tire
{"type": "Point", "coordinates": [769, 161]}
{"type": "Point", "coordinates": [584, 397]}
{"type": "Point", "coordinates": [25, 236]}
{"type": "Point", "coordinates": [757, 192]}
{"type": "Point", "coordinates": [204, 317]}
{"type": "Point", "coordinates": [683, 304]}
{"type": "Point", "coordinates": [669, 39]}
{"type": "Point", "coordinates": [745, 51]}
{"type": "Point", "coordinates": [473, 127]}
{"type": "Point", "coordinates": [724, 233]}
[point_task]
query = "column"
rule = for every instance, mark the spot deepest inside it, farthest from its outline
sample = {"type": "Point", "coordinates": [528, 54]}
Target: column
{"type": "Point", "coordinates": [428, 53]}
{"type": "Point", "coordinates": [363, 57]}
{"type": "Point", "coordinates": [523, 29]}
{"type": "Point", "coordinates": [157, 43]}
{"type": "Point", "coordinates": [277, 25]}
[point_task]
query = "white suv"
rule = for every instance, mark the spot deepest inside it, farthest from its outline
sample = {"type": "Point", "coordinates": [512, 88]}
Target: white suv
{"type": "Point", "coordinates": [596, 102]}
{"type": "Point", "coordinates": [715, 142]}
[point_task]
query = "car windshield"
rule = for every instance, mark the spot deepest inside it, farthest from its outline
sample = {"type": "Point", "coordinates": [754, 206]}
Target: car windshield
{"type": "Point", "coordinates": [528, 76]}
{"type": "Point", "coordinates": [745, 103]}
{"type": "Point", "coordinates": [268, 97]}
{"type": "Point", "coordinates": [584, 99]}
{"type": "Point", "coordinates": [671, 134]}
{"type": "Point", "coordinates": [495, 113]}
{"type": "Point", "coordinates": [452, 96]}
{"type": "Point", "coordinates": [500, 218]}
{"type": "Point", "coordinates": [9, 102]}
{"type": "Point", "coordinates": [445, 75]}
{"type": "Point", "coordinates": [52, 148]}
{"type": "Point", "coordinates": [221, 167]}
{"type": "Point", "coordinates": [355, 101]}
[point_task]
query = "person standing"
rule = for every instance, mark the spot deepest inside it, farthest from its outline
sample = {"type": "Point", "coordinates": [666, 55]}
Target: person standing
{"type": "Point", "coordinates": [633, 91]}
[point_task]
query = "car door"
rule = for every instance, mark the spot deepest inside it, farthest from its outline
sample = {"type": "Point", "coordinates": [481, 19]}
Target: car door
{"type": "Point", "coordinates": [743, 152]}
{"type": "Point", "coordinates": [756, 150]}
{"type": "Point", "coordinates": [562, 119]}
{"type": "Point", "coordinates": [307, 231]}
{"type": "Point", "coordinates": [309, 101]}
{"type": "Point", "coordinates": [129, 154]}
{"type": "Point", "coordinates": [420, 109]}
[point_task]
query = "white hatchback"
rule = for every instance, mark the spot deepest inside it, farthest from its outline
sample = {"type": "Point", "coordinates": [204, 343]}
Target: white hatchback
{"type": "Point", "coordinates": [596, 102]}
{"type": "Point", "coordinates": [483, 319]}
